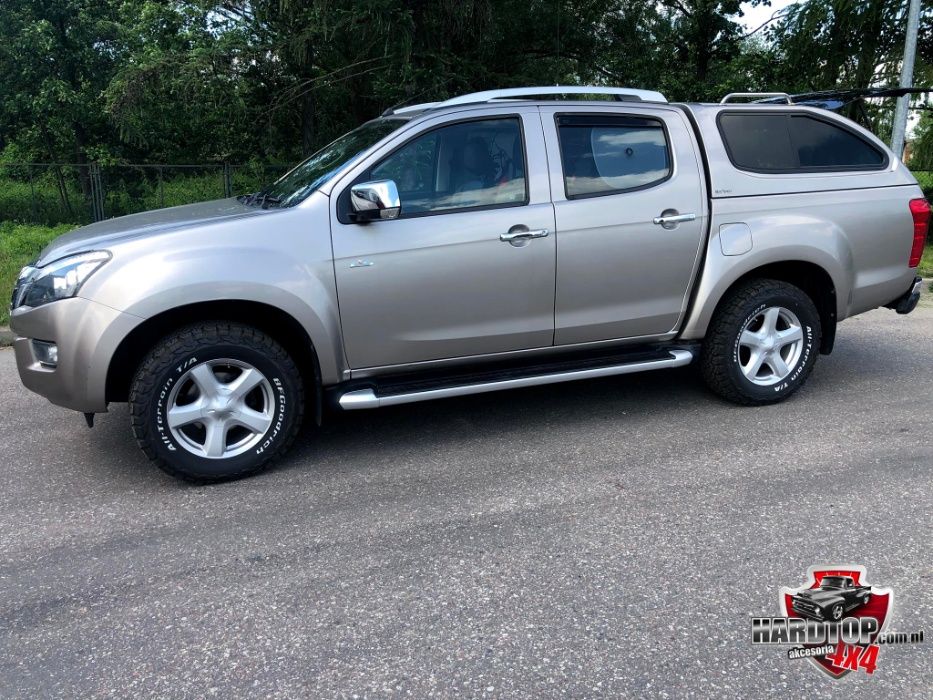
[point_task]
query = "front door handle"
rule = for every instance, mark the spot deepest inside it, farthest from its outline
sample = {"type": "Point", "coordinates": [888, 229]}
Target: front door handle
{"type": "Point", "coordinates": [668, 219]}
{"type": "Point", "coordinates": [523, 234]}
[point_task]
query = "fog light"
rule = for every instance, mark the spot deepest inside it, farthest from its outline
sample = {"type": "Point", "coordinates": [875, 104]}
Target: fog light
{"type": "Point", "coordinates": [46, 353]}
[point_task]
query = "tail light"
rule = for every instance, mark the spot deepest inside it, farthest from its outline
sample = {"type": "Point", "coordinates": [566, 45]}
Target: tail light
{"type": "Point", "coordinates": [920, 211]}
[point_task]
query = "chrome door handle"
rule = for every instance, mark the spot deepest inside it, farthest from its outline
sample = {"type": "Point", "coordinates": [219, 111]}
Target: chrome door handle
{"type": "Point", "coordinates": [519, 235]}
{"type": "Point", "coordinates": [673, 219]}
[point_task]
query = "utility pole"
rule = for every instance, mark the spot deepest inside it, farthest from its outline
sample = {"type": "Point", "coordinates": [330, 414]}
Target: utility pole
{"type": "Point", "coordinates": [907, 78]}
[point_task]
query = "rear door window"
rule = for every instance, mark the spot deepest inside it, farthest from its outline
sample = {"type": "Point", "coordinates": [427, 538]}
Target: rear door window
{"type": "Point", "coordinates": [608, 154]}
{"type": "Point", "coordinates": [782, 143]}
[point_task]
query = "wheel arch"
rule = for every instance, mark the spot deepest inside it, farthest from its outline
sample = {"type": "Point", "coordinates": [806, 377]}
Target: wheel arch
{"type": "Point", "coordinates": [811, 277]}
{"type": "Point", "coordinates": [276, 323]}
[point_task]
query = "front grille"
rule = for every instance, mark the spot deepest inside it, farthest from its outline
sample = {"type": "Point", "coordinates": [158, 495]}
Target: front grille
{"type": "Point", "coordinates": [805, 607]}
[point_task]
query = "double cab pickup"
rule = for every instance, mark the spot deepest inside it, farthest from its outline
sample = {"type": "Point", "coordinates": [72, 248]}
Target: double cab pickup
{"type": "Point", "coordinates": [491, 241]}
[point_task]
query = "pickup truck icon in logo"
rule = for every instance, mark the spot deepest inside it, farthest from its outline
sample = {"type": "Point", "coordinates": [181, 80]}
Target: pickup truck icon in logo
{"type": "Point", "coordinates": [831, 600]}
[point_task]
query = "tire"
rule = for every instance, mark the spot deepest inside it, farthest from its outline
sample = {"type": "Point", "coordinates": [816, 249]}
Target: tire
{"type": "Point", "coordinates": [226, 385]}
{"type": "Point", "coordinates": [836, 612]}
{"type": "Point", "coordinates": [728, 362]}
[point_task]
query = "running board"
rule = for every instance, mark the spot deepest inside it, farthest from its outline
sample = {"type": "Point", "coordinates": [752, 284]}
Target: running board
{"type": "Point", "coordinates": [367, 398]}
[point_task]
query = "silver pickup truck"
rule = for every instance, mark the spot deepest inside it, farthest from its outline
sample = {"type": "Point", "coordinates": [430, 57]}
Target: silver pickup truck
{"type": "Point", "coordinates": [495, 240]}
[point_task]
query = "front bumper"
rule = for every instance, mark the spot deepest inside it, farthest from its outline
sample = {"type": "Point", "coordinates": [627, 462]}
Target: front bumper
{"type": "Point", "coordinates": [907, 302]}
{"type": "Point", "coordinates": [87, 335]}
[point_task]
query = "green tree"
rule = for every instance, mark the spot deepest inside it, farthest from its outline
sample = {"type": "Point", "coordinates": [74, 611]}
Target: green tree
{"type": "Point", "coordinates": [56, 58]}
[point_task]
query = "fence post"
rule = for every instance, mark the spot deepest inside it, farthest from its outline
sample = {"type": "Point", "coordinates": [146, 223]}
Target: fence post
{"type": "Point", "coordinates": [228, 184]}
{"type": "Point", "coordinates": [32, 196]}
{"type": "Point", "coordinates": [161, 190]}
{"type": "Point", "coordinates": [97, 192]}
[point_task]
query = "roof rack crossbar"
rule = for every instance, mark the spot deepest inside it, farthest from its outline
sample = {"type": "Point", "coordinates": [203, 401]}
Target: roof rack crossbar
{"type": "Point", "coordinates": [512, 93]}
{"type": "Point", "coordinates": [728, 98]}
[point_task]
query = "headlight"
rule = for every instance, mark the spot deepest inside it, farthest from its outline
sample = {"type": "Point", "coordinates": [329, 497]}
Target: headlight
{"type": "Point", "coordinates": [57, 280]}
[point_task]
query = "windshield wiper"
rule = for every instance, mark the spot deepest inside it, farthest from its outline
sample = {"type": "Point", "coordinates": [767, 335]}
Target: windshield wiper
{"type": "Point", "coordinates": [262, 198]}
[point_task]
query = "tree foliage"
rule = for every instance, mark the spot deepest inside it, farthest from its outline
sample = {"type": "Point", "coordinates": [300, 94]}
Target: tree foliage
{"type": "Point", "coordinates": [209, 80]}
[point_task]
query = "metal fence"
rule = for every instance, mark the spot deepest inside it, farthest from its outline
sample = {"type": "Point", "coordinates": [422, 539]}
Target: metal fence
{"type": "Point", "coordinates": [53, 193]}
{"type": "Point", "coordinates": [925, 178]}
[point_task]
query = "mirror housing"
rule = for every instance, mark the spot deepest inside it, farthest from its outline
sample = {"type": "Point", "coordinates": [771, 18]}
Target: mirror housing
{"type": "Point", "coordinates": [372, 201]}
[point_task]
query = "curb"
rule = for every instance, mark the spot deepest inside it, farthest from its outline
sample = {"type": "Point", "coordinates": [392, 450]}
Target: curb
{"type": "Point", "coordinates": [6, 337]}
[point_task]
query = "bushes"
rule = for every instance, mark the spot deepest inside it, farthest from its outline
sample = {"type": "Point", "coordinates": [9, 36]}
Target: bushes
{"type": "Point", "coordinates": [41, 202]}
{"type": "Point", "coordinates": [51, 195]}
{"type": "Point", "coordinates": [20, 244]}
{"type": "Point", "coordinates": [925, 178]}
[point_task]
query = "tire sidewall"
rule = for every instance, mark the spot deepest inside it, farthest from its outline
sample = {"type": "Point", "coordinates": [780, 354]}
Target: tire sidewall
{"type": "Point", "coordinates": [284, 399]}
{"type": "Point", "coordinates": [809, 322]}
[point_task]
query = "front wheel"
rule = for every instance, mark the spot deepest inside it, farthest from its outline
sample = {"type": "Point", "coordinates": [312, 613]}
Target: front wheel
{"type": "Point", "coordinates": [216, 401]}
{"type": "Point", "coordinates": [762, 343]}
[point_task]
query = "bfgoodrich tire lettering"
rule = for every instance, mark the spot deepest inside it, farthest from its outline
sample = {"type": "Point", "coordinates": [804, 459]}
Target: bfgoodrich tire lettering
{"type": "Point", "coordinates": [723, 366]}
{"type": "Point", "coordinates": [211, 349]}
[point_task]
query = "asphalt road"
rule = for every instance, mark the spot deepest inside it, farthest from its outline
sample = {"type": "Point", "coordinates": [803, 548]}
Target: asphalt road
{"type": "Point", "coordinates": [599, 538]}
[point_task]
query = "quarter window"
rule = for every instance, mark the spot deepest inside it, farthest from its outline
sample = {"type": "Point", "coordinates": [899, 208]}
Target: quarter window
{"type": "Point", "coordinates": [465, 165]}
{"type": "Point", "coordinates": [606, 154]}
{"type": "Point", "coordinates": [795, 143]}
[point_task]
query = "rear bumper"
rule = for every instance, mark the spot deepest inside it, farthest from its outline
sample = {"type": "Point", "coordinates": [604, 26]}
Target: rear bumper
{"type": "Point", "coordinates": [907, 302]}
{"type": "Point", "coordinates": [86, 334]}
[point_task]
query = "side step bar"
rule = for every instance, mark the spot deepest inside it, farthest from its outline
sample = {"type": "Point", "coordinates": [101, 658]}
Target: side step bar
{"type": "Point", "coordinates": [367, 398]}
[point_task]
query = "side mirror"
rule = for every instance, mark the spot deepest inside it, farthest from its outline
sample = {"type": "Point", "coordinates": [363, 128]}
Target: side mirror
{"type": "Point", "coordinates": [375, 200]}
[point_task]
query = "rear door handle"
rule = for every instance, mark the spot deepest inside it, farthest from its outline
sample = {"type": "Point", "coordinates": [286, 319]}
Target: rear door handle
{"type": "Point", "coordinates": [520, 235]}
{"type": "Point", "coordinates": [666, 219]}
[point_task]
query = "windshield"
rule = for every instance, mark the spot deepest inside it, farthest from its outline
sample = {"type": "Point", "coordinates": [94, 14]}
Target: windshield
{"type": "Point", "coordinates": [833, 582]}
{"type": "Point", "coordinates": [307, 176]}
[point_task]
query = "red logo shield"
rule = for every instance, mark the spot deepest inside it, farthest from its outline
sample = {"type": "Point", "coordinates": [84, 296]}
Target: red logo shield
{"type": "Point", "coordinates": [845, 593]}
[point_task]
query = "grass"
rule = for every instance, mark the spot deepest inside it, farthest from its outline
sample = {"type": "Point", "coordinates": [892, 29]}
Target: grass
{"type": "Point", "coordinates": [126, 190]}
{"type": "Point", "coordinates": [19, 245]}
{"type": "Point", "coordinates": [925, 269]}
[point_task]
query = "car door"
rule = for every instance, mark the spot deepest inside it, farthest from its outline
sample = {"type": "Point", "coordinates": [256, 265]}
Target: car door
{"type": "Point", "coordinates": [468, 266]}
{"type": "Point", "coordinates": [630, 211]}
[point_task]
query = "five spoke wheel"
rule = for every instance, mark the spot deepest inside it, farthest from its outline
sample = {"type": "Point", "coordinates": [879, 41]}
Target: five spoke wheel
{"type": "Point", "coordinates": [220, 408]}
{"type": "Point", "coordinates": [770, 346]}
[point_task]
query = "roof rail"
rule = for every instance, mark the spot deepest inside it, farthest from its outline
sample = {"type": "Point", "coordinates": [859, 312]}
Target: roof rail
{"type": "Point", "coordinates": [728, 98]}
{"type": "Point", "coordinates": [512, 93]}
{"type": "Point", "coordinates": [412, 108]}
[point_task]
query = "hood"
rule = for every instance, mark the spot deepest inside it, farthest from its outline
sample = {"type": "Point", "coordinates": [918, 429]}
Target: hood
{"type": "Point", "coordinates": [818, 595]}
{"type": "Point", "coordinates": [149, 223]}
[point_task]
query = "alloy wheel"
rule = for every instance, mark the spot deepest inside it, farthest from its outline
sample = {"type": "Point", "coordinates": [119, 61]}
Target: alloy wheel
{"type": "Point", "coordinates": [220, 408]}
{"type": "Point", "coordinates": [770, 346]}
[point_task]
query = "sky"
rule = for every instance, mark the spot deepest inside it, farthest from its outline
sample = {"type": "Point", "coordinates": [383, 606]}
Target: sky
{"type": "Point", "coordinates": [755, 16]}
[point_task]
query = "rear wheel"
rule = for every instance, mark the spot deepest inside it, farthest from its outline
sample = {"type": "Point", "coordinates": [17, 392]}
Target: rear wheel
{"type": "Point", "coordinates": [216, 401]}
{"type": "Point", "coordinates": [762, 343]}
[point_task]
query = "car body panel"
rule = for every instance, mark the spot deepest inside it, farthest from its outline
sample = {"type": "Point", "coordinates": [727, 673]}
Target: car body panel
{"type": "Point", "coordinates": [728, 181]}
{"type": "Point", "coordinates": [109, 232]}
{"type": "Point", "coordinates": [288, 265]}
{"type": "Point", "coordinates": [619, 275]}
{"type": "Point", "coordinates": [87, 334]}
{"type": "Point", "coordinates": [445, 292]}
{"type": "Point", "coordinates": [444, 285]}
{"type": "Point", "coordinates": [855, 225]}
